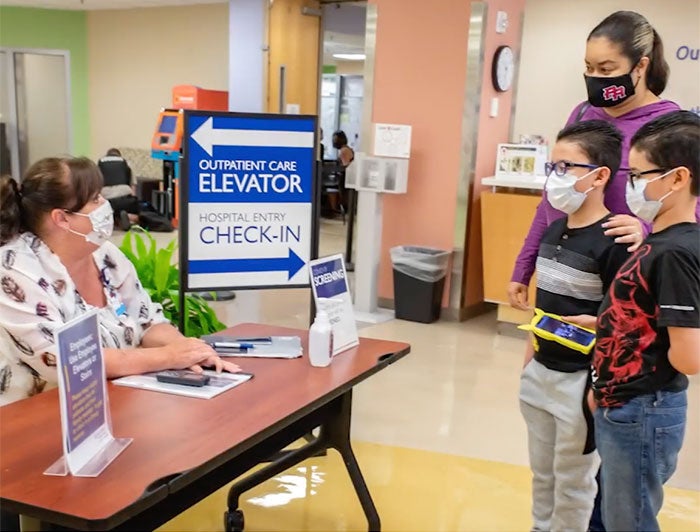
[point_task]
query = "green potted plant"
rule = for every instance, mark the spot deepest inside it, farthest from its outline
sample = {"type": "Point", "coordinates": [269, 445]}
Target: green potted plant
{"type": "Point", "coordinates": [161, 279]}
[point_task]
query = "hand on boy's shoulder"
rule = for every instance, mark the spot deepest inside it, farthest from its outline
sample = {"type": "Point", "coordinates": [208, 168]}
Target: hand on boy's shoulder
{"type": "Point", "coordinates": [626, 229]}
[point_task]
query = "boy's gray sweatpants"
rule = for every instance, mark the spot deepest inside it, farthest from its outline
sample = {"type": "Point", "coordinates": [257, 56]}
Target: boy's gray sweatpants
{"type": "Point", "coordinates": [563, 478]}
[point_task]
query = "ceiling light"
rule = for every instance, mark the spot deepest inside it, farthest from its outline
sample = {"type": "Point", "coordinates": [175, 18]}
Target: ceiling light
{"type": "Point", "coordinates": [350, 57]}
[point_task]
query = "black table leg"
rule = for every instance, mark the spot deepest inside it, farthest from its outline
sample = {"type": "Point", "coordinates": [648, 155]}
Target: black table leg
{"type": "Point", "coordinates": [274, 468]}
{"type": "Point", "coordinates": [335, 434]}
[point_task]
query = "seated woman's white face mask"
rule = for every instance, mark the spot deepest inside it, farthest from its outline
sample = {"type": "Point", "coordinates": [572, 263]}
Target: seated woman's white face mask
{"type": "Point", "coordinates": [102, 220]}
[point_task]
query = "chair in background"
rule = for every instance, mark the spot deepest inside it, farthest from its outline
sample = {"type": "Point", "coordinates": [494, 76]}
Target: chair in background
{"type": "Point", "coordinates": [146, 171]}
{"type": "Point", "coordinates": [333, 188]}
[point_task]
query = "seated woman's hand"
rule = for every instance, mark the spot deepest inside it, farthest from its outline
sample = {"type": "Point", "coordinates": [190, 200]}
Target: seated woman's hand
{"type": "Point", "coordinates": [217, 363]}
{"type": "Point", "coordinates": [194, 354]}
{"type": "Point", "coordinates": [626, 229]}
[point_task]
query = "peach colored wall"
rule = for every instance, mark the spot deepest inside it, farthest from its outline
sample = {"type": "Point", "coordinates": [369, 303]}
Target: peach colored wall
{"type": "Point", "coordinates": [491, 132]}
{"type": "Point", "coordinates": [420, 68]}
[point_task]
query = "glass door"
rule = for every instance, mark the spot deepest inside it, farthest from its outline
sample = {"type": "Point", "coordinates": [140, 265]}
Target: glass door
{"type": "Point", "coordinates": [6, 119]}
{"type": "Point", "coordinates": [34, 107]}
{"type": "Point", "coordinates": [330, 84]}
{"type": "Point", "coordinates": [350, 120]}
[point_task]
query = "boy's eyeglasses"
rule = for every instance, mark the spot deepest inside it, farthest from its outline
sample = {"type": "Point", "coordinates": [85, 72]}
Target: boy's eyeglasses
{"type": "Point", "coordinates": [560, 167]}
{"type": "Point", "coordinates": [633, 176]}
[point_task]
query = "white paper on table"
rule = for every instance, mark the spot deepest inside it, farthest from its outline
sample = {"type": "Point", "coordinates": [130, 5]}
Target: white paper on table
{"type": "Point", "coordinates": [218, 383]}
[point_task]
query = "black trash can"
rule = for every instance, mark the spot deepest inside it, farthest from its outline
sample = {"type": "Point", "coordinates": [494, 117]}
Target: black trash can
{"type": "Point", "coordinates": [419, 280]}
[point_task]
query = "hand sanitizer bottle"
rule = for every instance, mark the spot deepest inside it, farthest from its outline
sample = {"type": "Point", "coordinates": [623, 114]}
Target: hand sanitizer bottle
{"type": "Point", "coordinates": [320, 341]}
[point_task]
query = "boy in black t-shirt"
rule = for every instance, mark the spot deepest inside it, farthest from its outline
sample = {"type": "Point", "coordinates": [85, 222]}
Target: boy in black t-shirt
{"type": "Point", "coordinates": [648, 331]}
{"type": "Point", "coordinates": [575, 265]}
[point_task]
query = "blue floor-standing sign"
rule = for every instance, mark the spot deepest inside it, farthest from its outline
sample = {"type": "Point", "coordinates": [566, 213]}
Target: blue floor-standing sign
{"type": "Point", "coordinates": [246, 200]}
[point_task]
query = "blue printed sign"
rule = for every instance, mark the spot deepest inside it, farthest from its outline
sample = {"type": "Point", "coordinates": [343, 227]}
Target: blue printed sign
{"type": "Point", "coordinates": [88, 444]}
{"type": "Point", "coordinates": [329, 278]}
{"type": "Point", "coordinates": [247, 199]}
{"type": "Point", "coordinates": [331, 294]}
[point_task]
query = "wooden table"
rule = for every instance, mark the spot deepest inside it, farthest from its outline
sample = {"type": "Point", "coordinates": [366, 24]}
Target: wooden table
{"type": "Point", "coordinates": [184, 449]}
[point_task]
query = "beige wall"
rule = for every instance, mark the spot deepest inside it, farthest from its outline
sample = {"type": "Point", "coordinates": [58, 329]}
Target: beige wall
{"type": "Point", "coordinates": [135, 58]}
{"type": "Point", "coordinates": [554, 38]}
{"type": "Point", "coordinates": [350, 68]}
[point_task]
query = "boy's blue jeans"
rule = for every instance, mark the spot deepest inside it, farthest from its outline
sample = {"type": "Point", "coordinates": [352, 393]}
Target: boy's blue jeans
{"type": "Point", "coordinates": [638, 445]}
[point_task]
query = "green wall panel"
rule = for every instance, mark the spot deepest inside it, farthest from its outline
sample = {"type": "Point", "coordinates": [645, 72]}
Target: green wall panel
{"type": "Point", "coordinates": [56, 30]}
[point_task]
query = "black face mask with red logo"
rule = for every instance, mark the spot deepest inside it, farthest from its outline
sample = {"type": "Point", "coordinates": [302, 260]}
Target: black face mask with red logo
{"type": "Point", "coordinates": [609, 92]}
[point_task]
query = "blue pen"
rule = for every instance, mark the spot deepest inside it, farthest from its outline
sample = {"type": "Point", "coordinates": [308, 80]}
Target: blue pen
{"type": "Point", "coordinates": [244, 345]}
{"type": "Point", "coordinates": [234, 345]}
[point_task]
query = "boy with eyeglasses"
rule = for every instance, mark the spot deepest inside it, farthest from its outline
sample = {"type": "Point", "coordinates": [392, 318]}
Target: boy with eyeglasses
{"type": "Point", "coordinates": [648, 330]}
{"type": "Point", "coordinates": [575, 265]}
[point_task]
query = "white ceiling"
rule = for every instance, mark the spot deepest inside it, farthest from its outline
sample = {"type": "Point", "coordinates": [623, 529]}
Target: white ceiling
{"type": "Point", "coordinates": [341, 16]}
{"type": "Point", "coordinates": [341, 43]}
{"type": "Point", "coordinates": [104, 4]}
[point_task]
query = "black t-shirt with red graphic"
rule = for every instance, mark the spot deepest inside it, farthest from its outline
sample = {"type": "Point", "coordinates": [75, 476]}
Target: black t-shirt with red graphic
{"type": "Point", "coordinates": [658, 287]}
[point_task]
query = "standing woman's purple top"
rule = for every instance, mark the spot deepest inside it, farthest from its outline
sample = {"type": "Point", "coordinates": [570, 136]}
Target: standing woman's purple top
{"type": "Point", "coordinates": [615, 200]}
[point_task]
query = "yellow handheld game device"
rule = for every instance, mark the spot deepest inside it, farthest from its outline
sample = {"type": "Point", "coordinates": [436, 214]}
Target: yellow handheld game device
{"type": "Point", "coordinates": [554, 328]}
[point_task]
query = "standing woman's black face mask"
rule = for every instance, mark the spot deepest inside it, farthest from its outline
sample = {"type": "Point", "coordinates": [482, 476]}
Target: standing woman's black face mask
{"type": "Point", "coordinates": [609, 91]}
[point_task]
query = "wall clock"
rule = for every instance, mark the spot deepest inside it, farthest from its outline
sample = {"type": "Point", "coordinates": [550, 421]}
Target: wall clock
{"type": "Point", "coordinates": [503, 68]}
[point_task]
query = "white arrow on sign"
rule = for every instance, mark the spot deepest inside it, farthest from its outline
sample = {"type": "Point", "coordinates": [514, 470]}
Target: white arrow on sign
{"type": "Point", "coordinates": [208, 137]}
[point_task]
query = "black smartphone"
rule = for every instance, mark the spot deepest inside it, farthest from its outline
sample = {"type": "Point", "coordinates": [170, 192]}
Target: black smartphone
{"type": "Point", "coordinates": [184, 377]}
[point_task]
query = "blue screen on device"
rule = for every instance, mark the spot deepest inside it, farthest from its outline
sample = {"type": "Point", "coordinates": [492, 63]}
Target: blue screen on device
{"type": "Point", "coordinates": [566, 330]}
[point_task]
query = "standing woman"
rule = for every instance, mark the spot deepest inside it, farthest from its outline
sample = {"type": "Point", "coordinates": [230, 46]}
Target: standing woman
{"type": "Point", "coordinates": [345, 153]}
{"type": "Point", "coordinates": [625, 75]}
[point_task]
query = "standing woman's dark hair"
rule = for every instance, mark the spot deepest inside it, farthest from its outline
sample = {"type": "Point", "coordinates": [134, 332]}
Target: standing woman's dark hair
{"type": "Point", "coordinates": [50, 183]}
{"type": "Point", "coordinates": [636, 39]}
{"type": "Point", "coordinates": [340, 139]}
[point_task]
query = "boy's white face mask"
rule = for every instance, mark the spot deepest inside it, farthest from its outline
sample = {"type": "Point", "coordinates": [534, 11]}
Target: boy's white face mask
{"type": "Point", "coordinates": [102, 219]}
{"type": "Point", "coordinates": [641, 207]}
{"type": "Point", "coordinates": [562, 194]}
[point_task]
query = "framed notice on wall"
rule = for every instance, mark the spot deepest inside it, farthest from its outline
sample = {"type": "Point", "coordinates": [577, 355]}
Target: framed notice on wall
{"type": "Point", "coordinates": [520, 160]}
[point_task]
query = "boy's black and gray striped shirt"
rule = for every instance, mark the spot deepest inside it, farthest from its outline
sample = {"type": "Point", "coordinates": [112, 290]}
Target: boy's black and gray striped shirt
{"type": "Point", "coordinates": [574, 270]}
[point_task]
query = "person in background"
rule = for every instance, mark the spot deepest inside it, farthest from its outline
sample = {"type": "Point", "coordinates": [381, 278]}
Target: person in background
{"type": "Point", "coordinates": [119, 191]}
{"type": "Point", "coordinates": [625, 75]}
{"type": "Point", "coordinates": [336, 192]}
{"type": "Point", "coordinates": [648, 328]}
{"type": "Point", "coordinates": [56, 262]}
{"type": "Point", "coordinates": [345, 152]}
{"type": "Point", "coordinates": [575, 265]}
{"type": "Point", "coordinates": [118, 188]}
{"type": "Point", "coordinates": [321, 146]}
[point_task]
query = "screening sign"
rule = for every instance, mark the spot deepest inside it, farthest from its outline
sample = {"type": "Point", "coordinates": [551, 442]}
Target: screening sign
{"type": "Point", "coordinates": [247, 196]}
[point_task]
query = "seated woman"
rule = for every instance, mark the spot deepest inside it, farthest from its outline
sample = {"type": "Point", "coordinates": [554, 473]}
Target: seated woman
{"type": "Point", "coordinates": [56, 263]}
